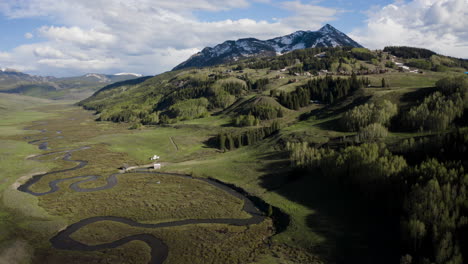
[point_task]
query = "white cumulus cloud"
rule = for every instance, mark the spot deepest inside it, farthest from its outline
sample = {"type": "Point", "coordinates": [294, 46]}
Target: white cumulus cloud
{"type": "Point", "coordinates": [142, 36]}
{"type": "Point", "coordinates": [28, 35]}
{"type": "Point", "coordinates": [78, 36]}
{"type": "Point", "coordinates": [439, 25]}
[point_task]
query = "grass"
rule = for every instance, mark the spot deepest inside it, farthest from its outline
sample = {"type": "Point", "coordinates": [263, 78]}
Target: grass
{"type": "Point", "coordinates": [136, 196]}
{"type": "Point", "coordinates": [398, 80]}
{"type": "Point", "coordinates": [133, 252]}
{"type": "Point", "coordinates": [188, 143]}
{"type": "Point", "coordinates": [19, 210]}
{"type": "Point", "coordinates": [148, 199]}
{"type": "Point", "coordinates": [190, 244]}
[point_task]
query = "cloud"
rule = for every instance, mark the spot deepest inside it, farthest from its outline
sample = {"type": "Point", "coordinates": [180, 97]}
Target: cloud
{"type": "Point", "coordinates": [143, 36]}
{"type": "Point", "coordinates": [28, 35]}
{"type": "Point", "coordinates": [78, 36]}
{"type": "Point", "coordinates": [308, 14]}
{"type": "Point", "coordinates": [439, 25]}
{"type": "Point", "coordinates": [48, 52]}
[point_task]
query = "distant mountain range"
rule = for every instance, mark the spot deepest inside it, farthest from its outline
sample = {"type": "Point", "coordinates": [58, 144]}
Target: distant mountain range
{"type": "Point", "coordinates": [229, 51]}
{"type": "Point", "coordinates": [13, 81]}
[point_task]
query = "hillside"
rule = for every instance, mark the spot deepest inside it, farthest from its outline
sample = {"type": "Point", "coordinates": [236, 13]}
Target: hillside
{"type": "Point", "coordinates": [231, 51]}
{"type": "Point", "coordinates": [343, 140]}
{"type": "Point", "coordinates": [214, 89]}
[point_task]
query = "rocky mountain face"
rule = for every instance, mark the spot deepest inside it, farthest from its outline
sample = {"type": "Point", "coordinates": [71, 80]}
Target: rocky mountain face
{"type": "Point", "coordinates": [229, 51]}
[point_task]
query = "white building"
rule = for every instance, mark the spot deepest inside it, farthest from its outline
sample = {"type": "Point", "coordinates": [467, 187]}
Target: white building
{"type": "Point", "coordinates": [157, 166]}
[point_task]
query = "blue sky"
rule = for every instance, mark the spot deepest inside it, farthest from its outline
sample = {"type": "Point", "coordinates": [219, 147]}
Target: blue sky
{"type": "Point", "coordinates": [13, 30]}
{"type": "Point", "coordinates": [71, 37]}
{"type": "Point", "coordinates": [352, 16]}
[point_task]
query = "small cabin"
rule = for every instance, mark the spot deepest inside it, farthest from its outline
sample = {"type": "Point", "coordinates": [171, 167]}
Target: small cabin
{"type": "Point", "coordinates": [157, 166]}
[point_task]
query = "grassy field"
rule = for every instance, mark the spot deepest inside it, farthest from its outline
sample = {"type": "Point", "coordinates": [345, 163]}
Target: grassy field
{"type": "Point", "coordinates": [18, 209]}
{"type": "Point", "coordinates": [146, 199]}
{"type": "Point", "coordinates": [171, 144]}
{"type": "Point", "coordinates": [28, 222]}
{"type": "Point", "coordinates": [190, 244]}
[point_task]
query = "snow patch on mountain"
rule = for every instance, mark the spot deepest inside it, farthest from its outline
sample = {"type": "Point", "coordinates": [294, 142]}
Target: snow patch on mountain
{"type": "Point", "coordinates": [298, 46]}
{"type": "Point", "coordinates": [101, 78]}
{"type": "Point", "coordinates": [129, 73]}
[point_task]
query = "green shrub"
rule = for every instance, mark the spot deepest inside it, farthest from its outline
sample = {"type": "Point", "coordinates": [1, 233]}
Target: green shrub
{"type": "Point", "coordinates": [190, 109]}
{"type": "Point", "coordinates": [220, 98]}
{"type": "Point", "coordinates": [373, 132]}
{"type": "Point", "coordinates": [136, 126]}
{"type": "Point", "coordinates": [435, 113]}
{"type": "Point", "coordinates": [364, 115]}
{"type": "Point", "coordinates": [451, 85]}
{"type": "Point", "coordinates": [420, 64]}
{"type": "Point", "coordinates": [246, 120]}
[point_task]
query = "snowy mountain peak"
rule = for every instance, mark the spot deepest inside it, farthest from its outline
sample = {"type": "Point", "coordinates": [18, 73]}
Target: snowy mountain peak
{"type": "Point", "coordinates": [328, 28]}
{"type": "Point", "coordinates": [229, 51]}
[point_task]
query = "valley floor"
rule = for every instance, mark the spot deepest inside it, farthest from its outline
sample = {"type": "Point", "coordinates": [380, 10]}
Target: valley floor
{"type": "Point", "coordinates": [85, 155]}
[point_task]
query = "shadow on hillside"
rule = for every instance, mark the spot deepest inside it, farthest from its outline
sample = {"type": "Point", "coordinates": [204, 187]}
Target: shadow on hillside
{"type": "Point", "coordinates": [412, 98]}
{"type": "Point", "coordinates": [335, 109]}
{"type": "Point", "coordinates": [351, 233]}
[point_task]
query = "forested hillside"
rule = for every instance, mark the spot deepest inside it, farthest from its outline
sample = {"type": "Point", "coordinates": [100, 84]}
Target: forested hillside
{"type": "Point", "coordinates": [387, 129]}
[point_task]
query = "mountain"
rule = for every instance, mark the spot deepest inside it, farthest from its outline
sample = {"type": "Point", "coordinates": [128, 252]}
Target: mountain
{"type": "Point", "coordinates": [79, 87]}
{"type": "Point", "coordinates": [229, 51]}
{"type": "Point", "coordinates": [11, 77]}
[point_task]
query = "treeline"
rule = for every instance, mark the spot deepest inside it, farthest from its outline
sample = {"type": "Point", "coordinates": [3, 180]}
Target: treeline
{"type": "Point", "coordinates": [364, 115]}
{"type": "Point", "coordinates": [266, 112]}
{"type": "Point", "coordinates": [435, 213]}
{"type": "Point", "coordinates": [426, 59]}
{"type": "Point", "coordinates": [438, 110]}
{"type": "Point", "coordinates": [363, 167]}
{"type": "Point", "coordinates": [124, 115]}
{"type": "Point", "coordinates": [233, 140]}
{"type": "Point", "coordinates": [409, 52]}
{"type": "Point", "coordinates": [246, 120]}
{"type": "Point", "coordinates": [306, 56]}
{"type": "Point", "coordinates": [311, 60]}
{"type": "Point", "coordinates": [187, 110]}
{"type": "Point", "coordinates": [259, 84]}
{"type": "Point", "coordinates": [363, 54]}
{"type": "Point", "coordinates": [192, 89]}
{"type": "Point", "coordinates": [256, 114]}
{"type": "Point", "coordinates": [428, 201]}
{"type": "Point", "coordinates": [433, 64]}
{"type": "Point", "coordinates": [325, 90]}
{"type": "Point", "coordinates": [446, 147]}
{"type": "Point", "coordinates": [234, 88]}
